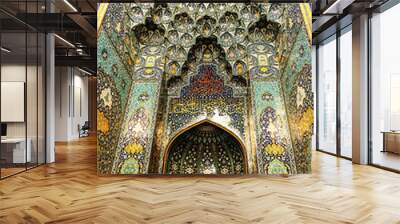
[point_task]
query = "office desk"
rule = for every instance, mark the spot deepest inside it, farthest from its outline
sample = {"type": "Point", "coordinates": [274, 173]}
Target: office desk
{"type": "Point", "coordinates": [13, 150]}
{"type": "Point", "coordinates": [391, 141]}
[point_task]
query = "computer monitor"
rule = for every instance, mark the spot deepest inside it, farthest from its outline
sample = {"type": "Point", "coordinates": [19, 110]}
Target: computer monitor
{"type": "Point", "coordinates": [3, 129]}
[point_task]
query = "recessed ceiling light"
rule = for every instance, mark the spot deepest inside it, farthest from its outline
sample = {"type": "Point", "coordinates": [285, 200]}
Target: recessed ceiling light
{"type": "Point", "coordinates": [337, 7]}
{"type": "Point", "coordinates": [65, 41]}
{"type": "Point", "coordinates": [5, 50]}
{"type": "Point", "coordinates": [70, 5]}
{"type": "Point", "coordinates": [84, 71]}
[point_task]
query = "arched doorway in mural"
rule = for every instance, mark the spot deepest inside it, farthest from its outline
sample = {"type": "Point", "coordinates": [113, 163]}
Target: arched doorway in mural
{"type": "Point", "coordinates": [205, 149]}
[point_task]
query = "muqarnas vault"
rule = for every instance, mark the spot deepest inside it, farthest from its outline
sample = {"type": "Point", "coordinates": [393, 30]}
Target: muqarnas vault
{"type": "Point", "coordinates": [204, 89]}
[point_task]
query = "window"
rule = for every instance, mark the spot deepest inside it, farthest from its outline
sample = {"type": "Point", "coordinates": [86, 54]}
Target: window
{"type": "Point", "coordinates": [327, 96]}
{"type": "Point", "coordinates": [385, 89]}
{"type": "Point", "coordinates": [346, 93]}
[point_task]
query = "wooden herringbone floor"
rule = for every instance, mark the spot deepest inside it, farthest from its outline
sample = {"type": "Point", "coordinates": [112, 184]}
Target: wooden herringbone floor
{"type": "Point", "coordinates": [69, 191]}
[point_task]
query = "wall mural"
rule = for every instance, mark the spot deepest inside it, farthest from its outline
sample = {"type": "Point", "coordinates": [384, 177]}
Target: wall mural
{"type": "Point", "coordinates": [193, 88]}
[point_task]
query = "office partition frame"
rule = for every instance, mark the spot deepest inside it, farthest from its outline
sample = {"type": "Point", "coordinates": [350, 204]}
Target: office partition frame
{"type": "Point", "coordinates": [39, 117]}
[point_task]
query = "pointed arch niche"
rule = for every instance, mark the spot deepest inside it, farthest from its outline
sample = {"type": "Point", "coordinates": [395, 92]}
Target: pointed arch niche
{"type": "Point", "coordinates": [205, 147]}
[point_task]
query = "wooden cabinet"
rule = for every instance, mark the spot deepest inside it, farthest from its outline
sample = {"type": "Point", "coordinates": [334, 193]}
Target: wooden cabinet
{"type": "Point", "coordinates": [391, 142]}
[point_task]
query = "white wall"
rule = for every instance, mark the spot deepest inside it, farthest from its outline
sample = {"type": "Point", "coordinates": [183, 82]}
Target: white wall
{"type": "Point", "coordinates": [33, 127]}
{"type": "Point", "coordinates": [62, 82]}
{"type": "Point", "coordinates": [13, 72]}
{"type": "Point", "coordinates": [71, 102]}
{"type": "Point", "coordinates": [80, 110]}
{"type": "Point", "coordinates": [16, 73]}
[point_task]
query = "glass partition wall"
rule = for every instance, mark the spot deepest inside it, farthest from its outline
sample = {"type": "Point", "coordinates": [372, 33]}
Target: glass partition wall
{"type": "Point", "coordinates": [334, 99]}
{"type": "Point", "coordinates": [22, 77]}
{"type": "Point", "coordinates": [385, 90]}
{"type": "Point", "coordinates": [334, 93]}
